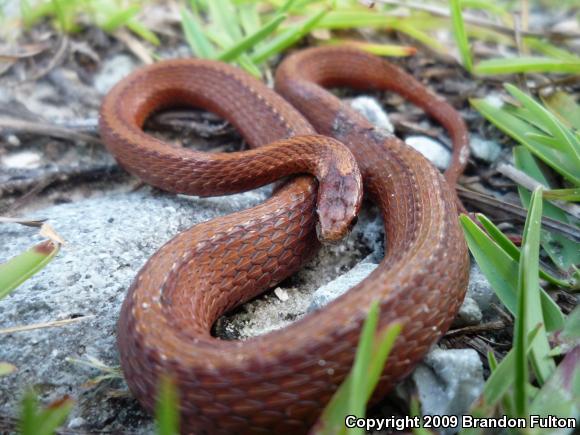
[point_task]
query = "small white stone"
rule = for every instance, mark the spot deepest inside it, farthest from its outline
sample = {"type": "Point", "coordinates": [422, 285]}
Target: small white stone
{"type": "Point", "coordinates": [340, 285]}
{"type": "Point", "coordinates": [76, 422]}
{"type": "Point", "coordinates": [112, 71]}
{"type": "Point", "coordinates": [281, 294]}
{"type": "Point", "coordinates": [448, 382]}
{"type": "Point", "coordinates": [483, 149]}
{"type": "Point", "coordinates": [13, 140]}
{"type": "Point", "coordinates": [494, 100]}
{"type": "Point", "coordinates": [431, 149]}
{"type": "Point", "coordinates": [469, 313]}
{"type": "Point", "coordinates": [371, 109]}
{"type": "Point", "coordinates": [22, 160]}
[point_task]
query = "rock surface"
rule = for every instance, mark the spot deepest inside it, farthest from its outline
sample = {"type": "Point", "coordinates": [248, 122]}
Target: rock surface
{"type": "Point", "coordinates": [108, 239]}
{"type": "Point", "coordinates": [449, 381]}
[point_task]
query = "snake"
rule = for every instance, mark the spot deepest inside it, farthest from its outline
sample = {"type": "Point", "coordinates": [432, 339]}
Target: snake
{"type": "Point", "coordinates": [326, 153]}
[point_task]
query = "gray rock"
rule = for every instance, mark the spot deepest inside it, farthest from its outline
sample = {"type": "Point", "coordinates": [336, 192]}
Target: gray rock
{"type": "Point", "coordinates": [483, 149]}
{"type": "Point", "coordinates": [108, 240]}
{"type": "Point", "coordinates": [22, 160]}
{"type": "Point", "coordinates": [480, 290]}
{"type": "Point", "coordinates": [437, 154]}
{"type": "Point", "coordinates": [372, 110]}
{"type": "Point", "coordinates": [335, 288]}
{"type": "Point", "coordinates": [469, 314]}
{"type": "Point", "coordinates": [112, 70]}
{"type": "Point", "coordinates": [449, 381]}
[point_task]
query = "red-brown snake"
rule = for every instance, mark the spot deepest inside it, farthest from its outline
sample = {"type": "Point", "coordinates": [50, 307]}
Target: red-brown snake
{"type": "Point", "coordinates": [281, 381]}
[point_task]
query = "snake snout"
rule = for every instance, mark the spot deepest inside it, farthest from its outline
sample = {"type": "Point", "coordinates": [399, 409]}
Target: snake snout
{"type": "Point", "coordinates": [339, 201]}
{"type": "Point", "coordinates": [335, 219]}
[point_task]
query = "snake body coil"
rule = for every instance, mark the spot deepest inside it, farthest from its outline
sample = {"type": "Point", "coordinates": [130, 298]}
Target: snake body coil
{"type": "Point", "coordinates": [280, 382]}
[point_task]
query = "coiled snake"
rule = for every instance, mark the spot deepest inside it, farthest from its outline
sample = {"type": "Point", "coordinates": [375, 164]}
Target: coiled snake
{"type": "Point", "coordinates": [280, 382]}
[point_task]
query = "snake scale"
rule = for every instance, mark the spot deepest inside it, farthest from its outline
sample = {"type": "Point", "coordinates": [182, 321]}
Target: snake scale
{"type": "Point", "coordinates": [280, 382]}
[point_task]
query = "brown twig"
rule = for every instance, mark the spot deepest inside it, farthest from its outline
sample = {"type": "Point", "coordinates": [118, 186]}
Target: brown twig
{"type": "Point", "coordinates": [136, 46]}
{"type": "Point", "coordinates": [44, 325]}
{"type": "Point", "coordinates": [204, 124]}
{"type": "Point", "coordinates": [530, 183]}
{"type": "Point", "coordinates": [41, 128]}
{"type": "Point", "coordinates": [37, 223]}
{"type": "Point", "coordinates": [477, 329]}
{"type": "Point", "coordinates": [24, 51]}
{"type": "Point", "coordinates": [517, 212]}
{"type": "Point", "coordinates": [56, 60]}
{"type": "Point", "coordinates": [36, 185]}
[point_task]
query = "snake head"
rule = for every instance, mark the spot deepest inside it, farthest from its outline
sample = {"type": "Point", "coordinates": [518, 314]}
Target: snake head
{"type": "Point", "coordinates": [339, 201]}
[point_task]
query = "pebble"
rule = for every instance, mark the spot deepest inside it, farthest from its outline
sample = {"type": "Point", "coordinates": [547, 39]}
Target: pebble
{"type": "Point", "coordinates": [483, 149]}
{"type": "Point", "coordinates": [433, 150]}
{"type": "Point", "coordinates": [22, 160]}
{"type": "Point", "coordinates": [340, 285]}
{"type": "Point", "coordinates": [113, 70]}
{"type": "Point", "coordinates": [448, 382]}
{"type": "Point", "coordinates": [372, 110]}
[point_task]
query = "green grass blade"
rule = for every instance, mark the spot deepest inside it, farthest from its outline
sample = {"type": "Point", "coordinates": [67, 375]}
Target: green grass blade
{"type": "Point", "coordinates": [376, 49]}
{"type": "Point", "coordinates": [529, 285]}
{"type": "Point", "coordinates": [384, 343]}
{"type": "Point", "coordinates": [27, 13]}
{"type": "Point", "coordinates": [559, 396]}
{"type": "Point", "coordinates": [563, 251]}
{"type": "Point", "coordinates": [143, 32]}
{"type": "Point", "coordinates": [501, 271]}
{"type": "Point", "coordinates": [404, 26]}
{"type": "Point", "coordinates": [63, 10]}
{"type": "Point", "coordinates": [571, 194]}
{"type": "Point", "coordinates": [571, 330]}
{"type": "Point", "coordinates": [502, 376]}
{"type": "Point", "coordinates": [354, 18]}
{"type": "Point", "coordinates": [249, 41]}
{"type": "Point", "coordinates": [489, 6]}
{"type": "Point", "coordinates": [119, 19]}
{"type": "Point", "coordinates": [195, 35]}
{"type": "Point", "coordinates": [564, 106]}
{"type": "Point", "coordinates": [223, 18]}
{"type": "Point", "coordinates": [518, 129]}
{"type": "Point", "coordinates": [460, 34]}
{"type": "Point", "coordinates": [372, 354]}
{"type": "Point", "coordinates": [550, 50]}
{"type": "Point", "coordinates": [28, 410]}
{"type": "Point", "coordinates": [491, 361]}
{"type": "Point", "coordinates": [512, 250]}
{"type": "Point", "coordinates": [247, 63]}
{"type": "Point", "coordinates": [167, 408]}
{"type": "Point", "coordinates": [550, 122]}
{"type": "Point", "coordinates": [287, 38]}
{"type": "Point", "coordinates": [357, 399]}
{"type": "Point", "coordinates": [249, 18]}
{"type": "Point", "coordinates": [287, 6]}
{"type": "Point", "coordinates": [527, 65]}
{"type": "Point", "coordinates": [37, 421]}
{"type": "Point", "coordinates": [18, 269]}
